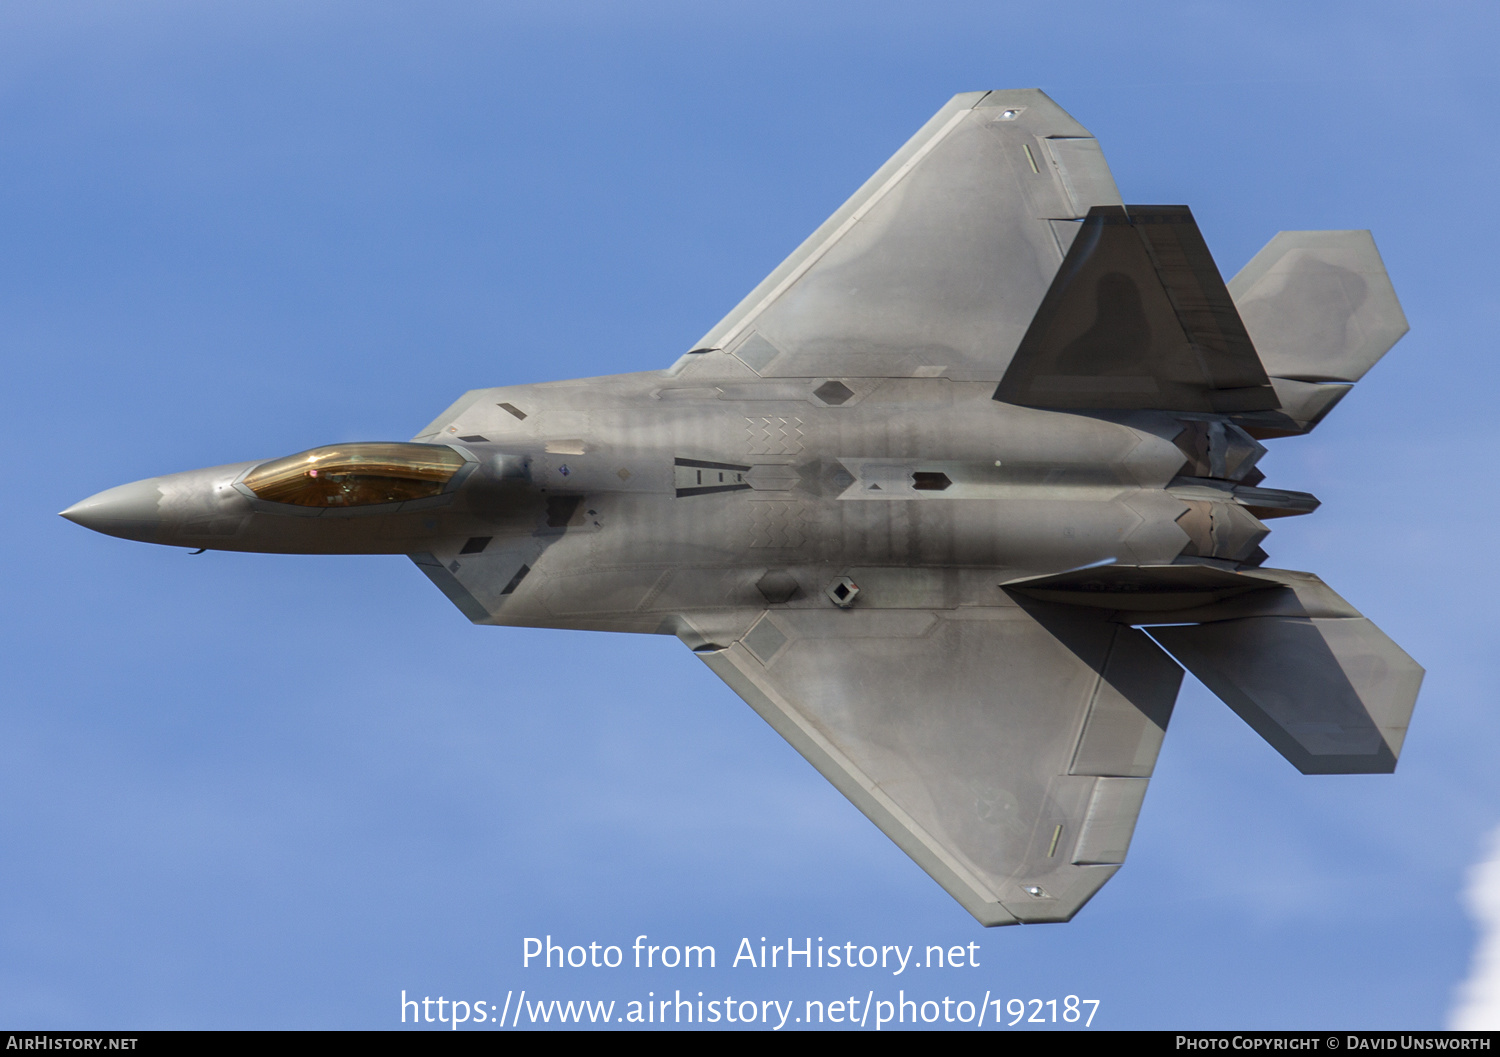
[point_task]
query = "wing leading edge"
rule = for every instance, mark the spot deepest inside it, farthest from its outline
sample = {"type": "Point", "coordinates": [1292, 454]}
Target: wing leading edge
{"type": "Point", "coordinates": [936, 264]}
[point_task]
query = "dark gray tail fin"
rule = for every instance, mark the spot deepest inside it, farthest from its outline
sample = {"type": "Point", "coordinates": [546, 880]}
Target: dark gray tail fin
{"type": "Point", "coordinates": [1138, 317]}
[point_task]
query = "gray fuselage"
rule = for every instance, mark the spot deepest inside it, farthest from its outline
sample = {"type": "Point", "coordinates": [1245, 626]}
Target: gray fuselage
{"type": "Point", "coordinates": [654, 494]}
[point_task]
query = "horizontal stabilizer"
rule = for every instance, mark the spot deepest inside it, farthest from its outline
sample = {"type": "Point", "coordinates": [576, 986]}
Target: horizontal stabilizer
{"type": "Point", "coordinates": [1332, 696]}
{"type": "Point", "coordinates": [1325, 686]}
{"type": "Point", "coordinates": [1138, 317]}
{"type": "Point", "coordinates": [1321, 311]}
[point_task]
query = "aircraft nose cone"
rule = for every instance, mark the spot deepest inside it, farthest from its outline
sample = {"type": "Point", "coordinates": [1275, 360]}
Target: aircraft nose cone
{"type": "Point", "coordinates": [130, 511]}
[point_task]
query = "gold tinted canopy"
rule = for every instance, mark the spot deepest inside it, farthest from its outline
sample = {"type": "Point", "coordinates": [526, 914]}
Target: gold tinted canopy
{"type": "Point", "coordinates": [343, 475]}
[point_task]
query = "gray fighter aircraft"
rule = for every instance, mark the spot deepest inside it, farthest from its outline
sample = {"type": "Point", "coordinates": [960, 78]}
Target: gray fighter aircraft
{"type": "Point", "coordinates": [947, 499]}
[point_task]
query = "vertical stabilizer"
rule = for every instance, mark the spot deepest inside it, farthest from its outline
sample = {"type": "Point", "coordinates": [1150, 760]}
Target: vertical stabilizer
{"type": "Point", "coordinates": [1138, 317]}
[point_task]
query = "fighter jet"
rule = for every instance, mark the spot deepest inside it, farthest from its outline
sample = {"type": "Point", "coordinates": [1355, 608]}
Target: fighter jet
{"type": "Point", "coordinates": [950, 499]}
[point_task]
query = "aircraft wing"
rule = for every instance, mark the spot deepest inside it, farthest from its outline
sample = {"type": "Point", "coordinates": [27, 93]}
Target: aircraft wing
{"type": "Point", "coordinates": [939, 262]}
{"type": "Point", "coordinates": [1006, 749]}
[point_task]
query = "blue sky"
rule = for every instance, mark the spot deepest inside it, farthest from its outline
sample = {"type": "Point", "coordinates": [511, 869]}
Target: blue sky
{"type": "Point", "coordinates": [256, 791]}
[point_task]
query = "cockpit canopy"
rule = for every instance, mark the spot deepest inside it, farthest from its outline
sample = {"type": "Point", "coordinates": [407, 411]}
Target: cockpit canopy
{"type": "Point", "coordinates": [344, 475]}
